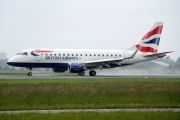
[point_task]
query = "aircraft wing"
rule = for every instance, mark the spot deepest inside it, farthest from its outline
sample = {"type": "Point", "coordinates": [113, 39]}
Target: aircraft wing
{"type": "Point", "coordinates": [102, 62]}
{"type": "Point", "coordinates": [106, 62]}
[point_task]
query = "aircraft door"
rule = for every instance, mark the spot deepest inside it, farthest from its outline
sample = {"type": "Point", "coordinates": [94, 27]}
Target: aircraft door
{"type": "Point", "coordinates": [126, 54]}
{"type": "Point", "coordinates": [38, 55]}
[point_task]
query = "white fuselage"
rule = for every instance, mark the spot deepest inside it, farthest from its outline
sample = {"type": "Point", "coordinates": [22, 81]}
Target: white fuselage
{"type": "Point", "coordinates": [75, 56]}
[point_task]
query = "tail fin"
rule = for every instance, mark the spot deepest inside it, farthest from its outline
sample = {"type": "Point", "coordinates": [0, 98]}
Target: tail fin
{"type": "Point", "coordinates": [150, 42]}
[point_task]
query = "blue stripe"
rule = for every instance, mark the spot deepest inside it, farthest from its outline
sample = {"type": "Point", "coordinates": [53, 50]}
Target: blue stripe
{"type": "Point", "coordinates": [153, 41]}
{"type": "Point", "coordinates": [34, 54]}
{"type": "Point", "coordinates": [39, 65]}
{"type": "Point", "coordinates": [53, 65]}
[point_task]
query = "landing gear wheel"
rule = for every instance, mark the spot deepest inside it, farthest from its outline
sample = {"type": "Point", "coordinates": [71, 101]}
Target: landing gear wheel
{"type": "Point", "coordinates": [30, 74]}
{"type": "Point", "coordinates": [81, 73]}
{"type": "Point", "coordinates": [92, 73]}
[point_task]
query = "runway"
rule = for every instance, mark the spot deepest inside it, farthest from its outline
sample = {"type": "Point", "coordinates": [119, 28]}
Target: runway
{"type": "Point", "coordinates": [93, 110]}
{"type": "Point", "coordinates": [50, 76]}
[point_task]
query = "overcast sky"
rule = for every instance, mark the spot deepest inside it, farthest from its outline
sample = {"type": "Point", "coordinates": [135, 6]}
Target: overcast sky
{"type": "Point", "coordinates": [86, 24]}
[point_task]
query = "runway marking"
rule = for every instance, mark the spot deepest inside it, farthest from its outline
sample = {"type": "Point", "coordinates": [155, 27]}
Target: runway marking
{"type": "Point", "coordinates": [87, 76]}
{"type": "Point", "coordinates": [93, 110]}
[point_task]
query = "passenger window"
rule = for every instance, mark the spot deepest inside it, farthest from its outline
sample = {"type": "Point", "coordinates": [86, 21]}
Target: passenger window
{"type": "Point", "coordinates": [80, 54]}
{"type": "Point", "coordinates": [76, 54]}
{"type": "Point", "coordinates": [90, 55]}
{"type": "Point", "coordinates": [50, 54]}
{"type": "Point", "coordinates": [94, 54]}
{"type": "Point", "coordinates": [119, 55]}
{"type": "Point", "coordinates": [72, 54]}
{"type": "Point", "coordinates": [46, 54]}
{"type": "Point", "coordinates": [107, 55]}
{"type": "Point", "coordinates": [67, 54]}
{"type": "Point", "coordinates": [25, 53]}
{"type": "Point", "coordinates": [59, 54]}
{"type": "Point", "coordinates": [98, 54]}
{"type": "Point", "coordinates": [115, 55]}
{"type": "Point", "coordinates": [63, 54]}
{"type": "Point", "coordinates": [103, 55]}
{"type": "Point", "coordinates": [86, 55]}
{"type": "Point", "coordinates": [111, 55]}
{"type": "Point", "coordinates": [54, 54]}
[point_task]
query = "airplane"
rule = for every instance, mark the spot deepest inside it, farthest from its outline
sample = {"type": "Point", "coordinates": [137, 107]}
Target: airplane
{"type": "Point", "coordinates": [81, 60]}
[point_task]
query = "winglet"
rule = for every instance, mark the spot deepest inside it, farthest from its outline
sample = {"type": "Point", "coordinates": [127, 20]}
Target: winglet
{"type": "Point", "coordinates": [132, 56]}
{"type": "Point", "coordinates": [134, 53]}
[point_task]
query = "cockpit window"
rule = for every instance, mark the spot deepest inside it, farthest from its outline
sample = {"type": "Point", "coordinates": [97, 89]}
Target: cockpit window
{"type": "Point", "coordinates": [25, 53]}
{"type": "Point", "coordinates": [21, 53]}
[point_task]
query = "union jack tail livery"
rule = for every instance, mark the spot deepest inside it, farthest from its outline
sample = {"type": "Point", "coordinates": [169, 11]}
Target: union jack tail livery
{"type": "Point", "coordinates": [150, 42]}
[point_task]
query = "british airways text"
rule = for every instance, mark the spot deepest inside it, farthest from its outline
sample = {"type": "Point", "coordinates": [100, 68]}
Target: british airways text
{"type": "Point", "coordinates": [60, 58]}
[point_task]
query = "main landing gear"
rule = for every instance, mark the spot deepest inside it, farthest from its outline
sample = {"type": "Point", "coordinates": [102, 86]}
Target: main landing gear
{"type": "Point", "coordinates": [82, 73]}
{"type": "Point", "coordinates": [92, 73]}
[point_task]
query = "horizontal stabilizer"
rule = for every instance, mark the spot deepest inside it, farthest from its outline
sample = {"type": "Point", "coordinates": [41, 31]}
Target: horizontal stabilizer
{"type": "Point", "coordinates": [158, 54]}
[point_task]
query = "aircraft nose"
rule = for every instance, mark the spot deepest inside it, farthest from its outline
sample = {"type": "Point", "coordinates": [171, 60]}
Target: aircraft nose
{"type": "Point", "coordinates": [11, 61]}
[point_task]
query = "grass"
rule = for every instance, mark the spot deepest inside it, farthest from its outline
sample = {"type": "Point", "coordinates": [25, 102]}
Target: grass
{"type": "Point", "coordinates": [13, 73]}
{"type": "Point", "coordinates": [85, 80]}
{"type": "Point", "coordinates": [94, 116]}
{"type": "Point", "coordinates": [82, 93]}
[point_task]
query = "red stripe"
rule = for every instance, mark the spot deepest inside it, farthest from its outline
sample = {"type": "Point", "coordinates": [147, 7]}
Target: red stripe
{"type": "Point", "coordinates": [157, 30]}
{"type": "Point", "coordinates": [42, 51]}
{"type": "Point", "coordinates": [146, 49]}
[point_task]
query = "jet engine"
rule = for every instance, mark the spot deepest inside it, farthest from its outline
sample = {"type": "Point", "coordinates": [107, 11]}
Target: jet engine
{"type": "Point", "coordinates": [76, 68]}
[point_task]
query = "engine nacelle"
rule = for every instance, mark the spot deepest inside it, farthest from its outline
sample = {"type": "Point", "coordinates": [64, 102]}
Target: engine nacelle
{"type": "Point", "coordinates": [58, 70]}
{"type": "Point", "coordinates": [75, 68]}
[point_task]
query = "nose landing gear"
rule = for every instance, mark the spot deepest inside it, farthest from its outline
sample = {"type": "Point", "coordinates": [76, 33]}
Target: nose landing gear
{"type": "Point", "coordinates": [29, 73]}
